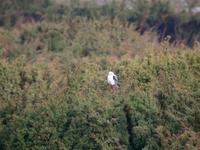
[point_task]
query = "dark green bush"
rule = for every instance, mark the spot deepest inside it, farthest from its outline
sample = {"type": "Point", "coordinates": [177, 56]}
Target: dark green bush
{"type": "Point", "coordinates": [54, 94]}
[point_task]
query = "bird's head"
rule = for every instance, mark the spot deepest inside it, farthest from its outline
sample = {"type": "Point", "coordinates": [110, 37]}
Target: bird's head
{"type": "Point", "coordinates": [110, 73]}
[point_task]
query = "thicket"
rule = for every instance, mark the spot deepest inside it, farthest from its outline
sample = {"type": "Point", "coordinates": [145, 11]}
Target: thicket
{"type": "Point", "coordinates": [54, 94]}
{"type": "Point", "coordinates": [167, 18]}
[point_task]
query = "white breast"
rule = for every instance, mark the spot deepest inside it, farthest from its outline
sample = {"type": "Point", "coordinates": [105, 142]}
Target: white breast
{"type": "Point", "coordinates": [110, 80]}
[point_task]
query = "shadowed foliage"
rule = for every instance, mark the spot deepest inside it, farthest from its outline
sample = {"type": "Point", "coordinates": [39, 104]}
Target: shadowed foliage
{"type": "Point", "coordinates": [53, 93]}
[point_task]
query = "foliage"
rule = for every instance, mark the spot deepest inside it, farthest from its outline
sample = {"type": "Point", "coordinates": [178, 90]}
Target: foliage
{"type": "Point", "coordinates": [53, 93]}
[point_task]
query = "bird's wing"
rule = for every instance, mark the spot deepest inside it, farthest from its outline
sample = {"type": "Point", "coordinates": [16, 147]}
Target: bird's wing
{"type": "Point", "coordinates": [115, 78]}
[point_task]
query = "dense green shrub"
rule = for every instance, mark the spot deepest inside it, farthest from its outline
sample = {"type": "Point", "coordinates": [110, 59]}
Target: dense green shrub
{"type": "Point", "coordinates": [88, 116]}
{"type": "Point", "coordinates": [54, 95]}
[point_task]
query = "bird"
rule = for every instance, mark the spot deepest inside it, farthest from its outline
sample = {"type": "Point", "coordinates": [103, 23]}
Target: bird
{"type": "Point", "coordinates": [112, 80]}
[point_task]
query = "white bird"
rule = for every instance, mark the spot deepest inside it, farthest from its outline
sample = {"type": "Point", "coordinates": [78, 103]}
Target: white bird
{"type": "Point", "coordinates": [112, 80]}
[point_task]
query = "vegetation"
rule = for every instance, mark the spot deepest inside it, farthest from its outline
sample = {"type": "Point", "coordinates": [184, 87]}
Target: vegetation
{"type": "Point", "coordinates": [178, 19]}
{"type": "Point", "coordinates": [54, 94]}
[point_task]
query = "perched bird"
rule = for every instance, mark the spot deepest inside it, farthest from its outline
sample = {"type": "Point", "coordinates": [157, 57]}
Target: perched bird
{"type": "Point", "coordinates": [112, 80]}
